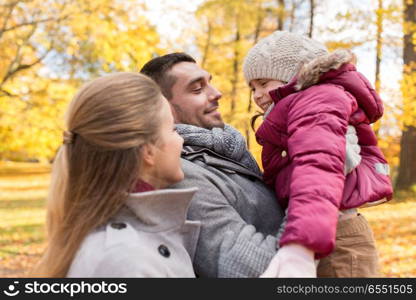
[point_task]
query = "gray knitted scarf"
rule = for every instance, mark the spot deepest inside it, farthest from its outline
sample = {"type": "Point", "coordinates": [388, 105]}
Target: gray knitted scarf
{"type": "Point", "coordinates": [225, 141]}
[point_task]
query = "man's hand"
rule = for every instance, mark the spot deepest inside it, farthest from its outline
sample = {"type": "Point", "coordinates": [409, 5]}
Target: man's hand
{"type": "Point", "coordinates": [292, 260]}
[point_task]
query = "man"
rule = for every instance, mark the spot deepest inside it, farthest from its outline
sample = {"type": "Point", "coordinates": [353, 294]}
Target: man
{"type": "Point", "coordinates": [240, 216]}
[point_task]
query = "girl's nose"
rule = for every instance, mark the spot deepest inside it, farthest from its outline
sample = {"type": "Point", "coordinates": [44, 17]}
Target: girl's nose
{"type": "Point", "coordinates": [257, 96]}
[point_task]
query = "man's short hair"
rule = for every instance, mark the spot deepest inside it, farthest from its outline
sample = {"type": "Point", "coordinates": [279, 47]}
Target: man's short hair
{"type": "Point", "coordinates": [158, 69]}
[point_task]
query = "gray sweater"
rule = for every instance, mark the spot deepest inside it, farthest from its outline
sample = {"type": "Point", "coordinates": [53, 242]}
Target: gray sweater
{"type": "Point", "coordinates": [240, 216]}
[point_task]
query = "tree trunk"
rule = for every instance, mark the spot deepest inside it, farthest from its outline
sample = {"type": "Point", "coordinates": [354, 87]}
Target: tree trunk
{"type": "Point", "coordinates": [257, 31]}
{"type": "Point", "coordinates": [207, 45]}
{"type": "Point", "coordinates": [379, 45]}
{"type": "Point", "coordinates": [292, 14]}
{"type": "Point", "coordinates": [236, 64]}
{"type": "Point", "coordinates": [280, 14]}
{"type": "Point", "coordinates": [311, 15]}
{"type": "Point", "coordinates": [407, 170]}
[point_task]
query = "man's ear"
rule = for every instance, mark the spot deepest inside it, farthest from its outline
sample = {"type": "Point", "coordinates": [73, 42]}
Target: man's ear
{"type": "Point", "coordinates": [173, 109]}
{"type": "Point", "coordinates": [148, 152]}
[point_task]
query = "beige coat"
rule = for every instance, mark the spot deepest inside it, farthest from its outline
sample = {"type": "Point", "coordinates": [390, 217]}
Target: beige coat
{"type": "Point", "coordinates": [149, 237]}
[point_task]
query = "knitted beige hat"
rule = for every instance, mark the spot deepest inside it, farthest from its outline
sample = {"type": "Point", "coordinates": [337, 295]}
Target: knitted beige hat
{"type": "Point", "coordinates": [280, 56]}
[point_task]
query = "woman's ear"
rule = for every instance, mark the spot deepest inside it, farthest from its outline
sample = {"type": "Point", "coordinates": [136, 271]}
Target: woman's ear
{"type": "Point", "coordinates": [148, 152]}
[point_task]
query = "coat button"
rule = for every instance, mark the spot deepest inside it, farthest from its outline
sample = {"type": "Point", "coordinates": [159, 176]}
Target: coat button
{"type": "Point", "coordinates": [284, 153]}
{"type": "Point", "coordinates": [118, 226]}
{"type": "Point", "coordinates": [164, 251]}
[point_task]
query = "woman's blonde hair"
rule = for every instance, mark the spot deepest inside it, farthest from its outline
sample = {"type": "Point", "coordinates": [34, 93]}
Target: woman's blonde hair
{"type": "Point", "coordinates": [108, 121]}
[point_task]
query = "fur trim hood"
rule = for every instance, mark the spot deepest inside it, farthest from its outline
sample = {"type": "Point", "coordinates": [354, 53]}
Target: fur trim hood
{"type": "Point", "coordinates": [336, 68]}
{"type": "Point", "coordinates": [311, 72]}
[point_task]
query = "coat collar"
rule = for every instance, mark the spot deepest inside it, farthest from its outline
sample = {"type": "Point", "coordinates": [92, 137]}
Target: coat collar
{"type": "Point", "coordinates": [292, 86]}
{"type": "Point", "coordinates": [160, 210]}
{"type": "Point", "coordinates": [283, 91]}
{"type": "Point", "coordinates": [351, 80]}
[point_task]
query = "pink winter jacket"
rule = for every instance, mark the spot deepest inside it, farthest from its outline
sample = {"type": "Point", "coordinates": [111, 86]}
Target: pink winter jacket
{"type": "Point", "coordinates": [303, 153]}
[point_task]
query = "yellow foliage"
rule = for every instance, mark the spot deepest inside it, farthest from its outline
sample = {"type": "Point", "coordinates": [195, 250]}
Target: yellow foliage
{"type": "Point", "coordinates": [409, 95]}
{"type": "Point", "coordinates": [48, 51]}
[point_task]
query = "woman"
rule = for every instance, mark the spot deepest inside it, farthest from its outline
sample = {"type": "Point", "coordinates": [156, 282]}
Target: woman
{"type": "Point", "coordinates": [108, 215]}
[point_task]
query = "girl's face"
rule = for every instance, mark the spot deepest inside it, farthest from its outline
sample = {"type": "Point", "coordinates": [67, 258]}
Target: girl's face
{"type": "Point", "coordinates": [261, 89]}
{"type": "Point", "coordinates": [165, 152]}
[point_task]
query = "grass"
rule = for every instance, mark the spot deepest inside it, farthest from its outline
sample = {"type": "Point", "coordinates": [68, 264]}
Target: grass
{"type": "Point", "coordinates": [22, 216]}
{"type": "Point", "coordinates": [394, 226]}
{"type": "Point", "coordinates": [22, 219]}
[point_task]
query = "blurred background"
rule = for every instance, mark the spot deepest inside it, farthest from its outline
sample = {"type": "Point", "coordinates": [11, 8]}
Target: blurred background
{"type": "Point", "coordinates": [48, 48]}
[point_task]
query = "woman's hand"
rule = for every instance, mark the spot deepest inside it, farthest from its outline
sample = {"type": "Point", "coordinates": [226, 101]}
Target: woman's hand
{"type": "Point", "coordinates": [352, 154]}
{"type": "Point", "coordinates": [292, 260]}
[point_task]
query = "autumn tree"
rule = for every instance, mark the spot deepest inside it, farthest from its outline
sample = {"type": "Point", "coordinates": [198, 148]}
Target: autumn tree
{"type": "Point", "coordinates": [228, 30]}
{"type": "Point", "coordinates": [48, 49]}
{"type": "Point", "coordinates": [407, 171]}
{"type": "Point", "coordinates": [374, 32]}
{"type": "Point", "coordinates": [27, 34]}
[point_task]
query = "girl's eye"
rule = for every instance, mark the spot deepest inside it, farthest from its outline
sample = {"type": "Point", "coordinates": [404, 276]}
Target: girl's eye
{"type": "Point", "coordinates": [263, 83]}
{"type": "Point", "coordinates": [198, 90]}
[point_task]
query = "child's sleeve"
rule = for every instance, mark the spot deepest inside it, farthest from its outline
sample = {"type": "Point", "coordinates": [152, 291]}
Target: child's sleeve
{"type": "Point", "coordinates": [317, 125]}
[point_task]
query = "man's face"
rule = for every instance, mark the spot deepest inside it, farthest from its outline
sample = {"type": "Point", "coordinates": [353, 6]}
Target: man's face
{"type": "Point", "coordinates": [194, 100]}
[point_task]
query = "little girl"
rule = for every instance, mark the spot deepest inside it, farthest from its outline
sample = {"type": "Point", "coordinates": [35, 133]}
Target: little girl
{"type": "Point", "coordinates": [311, 99]}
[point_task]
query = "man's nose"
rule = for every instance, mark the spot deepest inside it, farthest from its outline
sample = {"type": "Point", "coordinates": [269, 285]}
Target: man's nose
{"type": "Point", "coordinates": [215, 94]}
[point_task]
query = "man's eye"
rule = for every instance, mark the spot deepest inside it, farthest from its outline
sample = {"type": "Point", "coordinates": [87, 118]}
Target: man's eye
{"type": "Point", "coordinates": [197, 90]}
